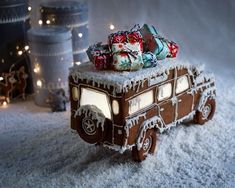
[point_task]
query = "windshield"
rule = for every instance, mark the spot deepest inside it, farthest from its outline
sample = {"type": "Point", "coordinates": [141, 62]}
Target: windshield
{"type": "Point", "coordinates": [97, 98]}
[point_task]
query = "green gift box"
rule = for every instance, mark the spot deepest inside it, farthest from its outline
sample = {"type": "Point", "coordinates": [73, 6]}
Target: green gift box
{"type": "Point", "coordinates": [127, 56]}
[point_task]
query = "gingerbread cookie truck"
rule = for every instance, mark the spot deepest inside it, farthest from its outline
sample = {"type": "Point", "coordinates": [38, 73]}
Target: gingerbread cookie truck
{"type": "Point", "coordinates": [127, 109]}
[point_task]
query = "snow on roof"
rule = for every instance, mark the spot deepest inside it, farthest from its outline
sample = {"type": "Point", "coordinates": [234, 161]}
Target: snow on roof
{"type": "Point", "coordinates": [125, 80]}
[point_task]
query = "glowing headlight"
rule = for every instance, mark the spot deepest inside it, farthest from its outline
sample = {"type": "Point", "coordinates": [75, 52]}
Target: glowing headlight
{"type": "Point", "coordinates": [75, 93]}
{"type": "Point", "coordinates": [115, 107]}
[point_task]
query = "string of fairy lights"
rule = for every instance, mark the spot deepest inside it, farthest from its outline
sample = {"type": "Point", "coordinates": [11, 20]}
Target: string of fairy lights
{"type": "Point", "coordinates": [37, 68]}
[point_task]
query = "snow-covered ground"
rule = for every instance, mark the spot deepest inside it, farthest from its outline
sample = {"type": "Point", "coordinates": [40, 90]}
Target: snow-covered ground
{"type": "Point", "coordinates": [38, 149]}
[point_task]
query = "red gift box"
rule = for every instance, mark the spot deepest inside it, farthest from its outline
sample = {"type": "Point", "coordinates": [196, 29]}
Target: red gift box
{"type": "Point", "coordinates": [131, 36]}
{"type": "Point", "coordinates": [174, 48]}
{"type": "Point", "coordinates": [102, 61]}
{"type": "Point", "coordinates": [134, 37]}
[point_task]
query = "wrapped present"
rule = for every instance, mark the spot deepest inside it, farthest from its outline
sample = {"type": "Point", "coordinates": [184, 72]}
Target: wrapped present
{"type": "Point", "coordinates": [173, 47]}
{"type": "Point", "coordinates": [97, 48]}
{"type": "Point", "coordinates": [156, 44]}
{"type": "Point", "coordinates": [149, 59]}
{"type": "Point", "coordinates": [119, 37]}
{"type": "Point", "coordinates": [127, 56]}
{"type": "Point", "coordinates": [100, 55]}
{"type": "Point", "coordinates": [132, 36]}
{"type": "Point", "coordinates": [102, 61]}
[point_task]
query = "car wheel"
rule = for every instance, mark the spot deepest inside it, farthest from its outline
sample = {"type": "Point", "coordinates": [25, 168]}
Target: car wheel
{"type": "Point", "coordinates": [148, 147]}
{"type": "Point", "coordinates": [89, 129]}
{"type": "Point", "coordinates": [206, 113]}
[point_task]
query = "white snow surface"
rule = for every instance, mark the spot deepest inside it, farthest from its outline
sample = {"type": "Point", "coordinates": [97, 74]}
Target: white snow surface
{"type": "Point", "coordinates": [38, 149]}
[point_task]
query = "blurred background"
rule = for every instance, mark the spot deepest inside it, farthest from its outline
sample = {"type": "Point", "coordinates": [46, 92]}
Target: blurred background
{"type": "Point", "coordinates": [205, 30]}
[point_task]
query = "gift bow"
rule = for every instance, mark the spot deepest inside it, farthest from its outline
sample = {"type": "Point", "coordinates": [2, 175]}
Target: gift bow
{"type": "Point", "coordinates": [129, 51]}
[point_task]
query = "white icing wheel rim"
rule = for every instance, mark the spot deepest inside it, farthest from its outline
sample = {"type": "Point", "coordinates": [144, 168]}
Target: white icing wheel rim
{"type": "Point", "coordinates": [206, 111]}
{"type": "Point", "coordinates": [147, 143]}
{"type": "Point", "coordinates": [88, 126]}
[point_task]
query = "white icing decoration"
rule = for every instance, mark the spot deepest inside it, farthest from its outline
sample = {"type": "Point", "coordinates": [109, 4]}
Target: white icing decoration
{"type": "Point", "coordinates": [133, 121]}
{"type": "Point", "coordinates": [118, 148]}
{"type": "Point", "coordinates": [125, 81]}
{"type": "Point", "coordinates": [208, 93]}
{"type": "Point", "coordinates": [149, 124]}
{"type": "Point", "coordinates": [93, 112]}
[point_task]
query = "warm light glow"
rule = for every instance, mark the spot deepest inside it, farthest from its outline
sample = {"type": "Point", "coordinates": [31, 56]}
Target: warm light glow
{"type": "Point", "coordinates": [75, 93]}
{"type": "Point", "coordinates": [164, 91]}
{"type": "Point", "coordinates": [20, 52]}
{"type": "Point", "coordinates": [1, 78]}
{"type": "Point", "coordinates": [39, 83]}
{"type": "Point", "coordinates": [96, 98]}
{"type": "Point", "coordinates": [4, 103]}
{"type": "Point", "coordinates": [36, 69]}
{"type": "Point", "coordinates": [17, 47]}
{"type": "Point", "coordinates": [48, 22]}
{"type": "Point", "coordinates": [26, 48]}
{"type": "Point", "coordinates": [29, 8]}
{"type": "Point", "coordinates": [78, 63]}
{"type": "Point", "coordinates": [3, 61]}
{"type": "Point", "coordinates": [40, 22]}
{"type": "Point", "coordinates": [115, 107]}
{"type": "Point", "coordinates": [111, 27]}
{"type": "Point", "coordinates": [140, 102]}
{"type": "Point", "coordinates": [80, 35]}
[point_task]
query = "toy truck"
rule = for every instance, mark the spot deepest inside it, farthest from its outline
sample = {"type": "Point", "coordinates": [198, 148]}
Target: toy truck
{"type": "Point", "coordinates": [128, 110]}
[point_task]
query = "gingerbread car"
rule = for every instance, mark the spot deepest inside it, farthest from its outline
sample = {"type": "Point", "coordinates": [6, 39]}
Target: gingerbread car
{"type": "Point", "coordinates": [127, 110]}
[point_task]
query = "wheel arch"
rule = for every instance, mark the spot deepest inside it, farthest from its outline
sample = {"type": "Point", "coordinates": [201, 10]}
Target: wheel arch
{"type": "Point", "coordinates": [97, 117]}
{"type": "Point", "coordinates": [155, 123]}
{"type": "Point", "coordinates": [206, 94]}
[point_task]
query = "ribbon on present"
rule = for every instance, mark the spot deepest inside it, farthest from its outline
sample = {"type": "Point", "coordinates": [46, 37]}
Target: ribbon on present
{"type": "Point", "coordinates": [136, 27]}
{"type": "Point", "coordinates": [96, 49]}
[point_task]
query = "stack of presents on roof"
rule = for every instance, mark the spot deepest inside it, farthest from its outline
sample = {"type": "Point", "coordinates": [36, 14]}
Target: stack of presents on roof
{"type": "Point", "coordinates": [132, 50]}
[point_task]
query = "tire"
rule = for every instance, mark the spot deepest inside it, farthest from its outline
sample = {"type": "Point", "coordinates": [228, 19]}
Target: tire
{"type": "Point", "coordinates": [148, 147]}
{"type": "Point", "coordinates": [89, 130]}
{"type": "Point", "coordinates": [207, 112]}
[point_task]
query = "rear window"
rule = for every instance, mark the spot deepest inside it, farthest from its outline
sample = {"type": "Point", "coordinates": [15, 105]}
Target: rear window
{"type": "Point", "coordinates": [96, 98]}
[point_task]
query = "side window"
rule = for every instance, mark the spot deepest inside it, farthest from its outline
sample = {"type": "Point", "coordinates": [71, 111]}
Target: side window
{"type": "Point", "coordinates": [164, 91]}
{"type": "Point", "coordinates": [140, 102]}
{"type": "Point", "coordinates": [182, 84]}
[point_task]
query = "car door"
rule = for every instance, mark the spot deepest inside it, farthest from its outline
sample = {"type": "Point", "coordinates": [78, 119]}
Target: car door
{"type": "Point", "coordinates": [164, 100]}
{"type": "Point", "coordinates": [184, 97]}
